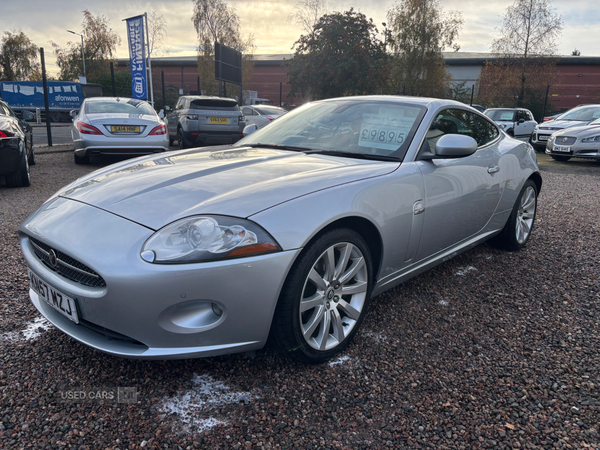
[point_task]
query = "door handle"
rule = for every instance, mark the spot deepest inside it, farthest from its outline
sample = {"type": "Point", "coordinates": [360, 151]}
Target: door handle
{"type": "Point", "coordinates": [493, 169]}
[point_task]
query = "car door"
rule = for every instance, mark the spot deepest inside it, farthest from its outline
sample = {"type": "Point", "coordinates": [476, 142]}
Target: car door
{"type": "Point", "coordinates": [173, 117]}
{"type": "Point", "coordinates": [461, 194]}
{"type": "Point", "coordinates": [522, 125]}
{"type": "Point", "coordinates": [250, 115]}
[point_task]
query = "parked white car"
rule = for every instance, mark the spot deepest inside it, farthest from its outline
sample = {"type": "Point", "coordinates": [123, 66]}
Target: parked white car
{"type": "Point", "coordinates": [261, 115]}
{"type": "Point", "coordinates": [516, 122]}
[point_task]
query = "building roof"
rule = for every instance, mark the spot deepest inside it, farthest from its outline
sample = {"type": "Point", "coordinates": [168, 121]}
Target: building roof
{"type": "Point", "coordinates": [451, 58]}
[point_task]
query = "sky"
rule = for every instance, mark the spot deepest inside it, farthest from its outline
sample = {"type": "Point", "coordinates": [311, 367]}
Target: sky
{"type": "Point", "coordinates": [267, 20]}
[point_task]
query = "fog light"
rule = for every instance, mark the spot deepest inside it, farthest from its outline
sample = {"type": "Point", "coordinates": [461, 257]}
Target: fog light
{"type": "Point", "coordinates": [217, 309]}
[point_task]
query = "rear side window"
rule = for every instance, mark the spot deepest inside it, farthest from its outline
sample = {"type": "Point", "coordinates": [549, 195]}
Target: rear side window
{"type": "Point", "coordinates": [213, 103]}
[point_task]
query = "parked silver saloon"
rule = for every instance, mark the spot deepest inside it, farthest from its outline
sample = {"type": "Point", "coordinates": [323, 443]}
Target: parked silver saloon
{"type": "Point", "coordinates": [117, 126]}
{"type": "Point", "coordinates": [292, 230]}
{"type": "Point", "coordinates": [575, 142]}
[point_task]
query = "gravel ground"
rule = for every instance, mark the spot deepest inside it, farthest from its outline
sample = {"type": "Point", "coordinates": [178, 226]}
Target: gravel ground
{"type": "Point", "coordinates": [489, 350]}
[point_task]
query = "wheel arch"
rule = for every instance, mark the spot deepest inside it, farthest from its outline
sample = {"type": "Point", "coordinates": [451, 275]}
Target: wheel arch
{"type": "Point", "coordinates": [537, 179]}
{"type": "Point", "coordinates": [366, 229]}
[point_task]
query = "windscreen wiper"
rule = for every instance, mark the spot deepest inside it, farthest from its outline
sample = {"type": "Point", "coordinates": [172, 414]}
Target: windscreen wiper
{"type": "Point", "coordinates": [281, 147]}
{"type": "Point", "coordinates": [354, 155]}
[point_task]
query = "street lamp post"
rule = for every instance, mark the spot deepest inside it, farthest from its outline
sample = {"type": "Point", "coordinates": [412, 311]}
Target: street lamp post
{"type": "Point", "coordinates": [82, 52]}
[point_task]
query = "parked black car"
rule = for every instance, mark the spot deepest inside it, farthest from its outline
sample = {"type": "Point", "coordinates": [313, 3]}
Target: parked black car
{"type": "Point", "coordinates": [16, 146]}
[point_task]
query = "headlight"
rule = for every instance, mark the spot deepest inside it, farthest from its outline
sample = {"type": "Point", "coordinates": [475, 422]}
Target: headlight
{"type": "Point", "coordinates": [591, 139]}
{"type": "Point", "coordinates": [207, 238]}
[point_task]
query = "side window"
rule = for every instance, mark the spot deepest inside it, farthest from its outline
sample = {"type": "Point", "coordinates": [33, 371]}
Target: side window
{"type": "Point", "coordinates": [458, 121]}
{"type": "Point", "coordinates": [485, 132]}
{"type": "Point", "coordinates": [529, 116]}
{"type": "Point", "coordinates": [179, 103]}
{"type": "Point", "coordinates": [522, 115]}
{"type": "Point", "coordinates": [449, 121]}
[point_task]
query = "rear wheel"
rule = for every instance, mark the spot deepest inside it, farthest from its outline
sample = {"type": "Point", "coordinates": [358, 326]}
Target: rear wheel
{"type": "Point", "coordinates": [31, 158]}
{"type": "Point", "coordinates": [560, 158]}
{"type": "Point", "coordinates": [325, 297]}
{"type": "Point", "coordinates": [81, 159]}
{"type": "Point", "coordinates": [517, 230]}
{"type": "Point", "coordinates": [21, 178]}
{"type": "Point", "coordinates": [55, 116]}
{"type": "Point", "coordinates": [181, 139]}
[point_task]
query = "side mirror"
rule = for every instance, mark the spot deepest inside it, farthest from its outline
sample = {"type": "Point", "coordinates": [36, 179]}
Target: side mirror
{"type": "Point", "coordinates": [455, 146]}
{"type": "Point", "coordinates": [250, 129]}
{"type": "Point", "coordinates": [167, 108]}
{"type": "Point", "coordinates": [28, 116]}
{"type": "Point", "coordinates": [521, 120]}
{"type": "Point", "coordinates": [73, 113]}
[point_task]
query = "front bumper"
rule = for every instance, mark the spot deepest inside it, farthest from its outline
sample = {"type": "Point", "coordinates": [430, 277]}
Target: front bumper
{"type": "Point", "coordinates": [577, 150]}
{"type": "Point", "coordinates": [151, 311]}
{"type": "Point", "coordinates": [539, 139]}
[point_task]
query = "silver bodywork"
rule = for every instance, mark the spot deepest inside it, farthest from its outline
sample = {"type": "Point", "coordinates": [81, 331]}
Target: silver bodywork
{"type": "Point", "coordinates": [118, 143]}
{"type": "Point", "coordinates": [576, 117]}
{"type": "Point", "coordinates": [260, 115]}
{"type": "Point", "coordinates": [577, 142]}
{"type": "Point", "coordinates": [422, 212]}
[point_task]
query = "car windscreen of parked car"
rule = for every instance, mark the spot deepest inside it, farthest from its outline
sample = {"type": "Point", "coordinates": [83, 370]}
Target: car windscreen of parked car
{"type": "Point", "coordinates": [501, 114]}
{"type": "Point", "coordinates": [585, 113]}
{"type": "Point", "coordinates": [119, 107]}
{"type": "Point", "coordinates": [374, 128]}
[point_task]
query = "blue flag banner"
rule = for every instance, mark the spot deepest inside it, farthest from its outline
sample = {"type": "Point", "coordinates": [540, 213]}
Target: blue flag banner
{"type": "Point", "coordinates": [137, 57]}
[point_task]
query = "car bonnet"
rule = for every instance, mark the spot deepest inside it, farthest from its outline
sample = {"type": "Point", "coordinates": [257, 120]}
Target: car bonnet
{"type": "Point", "coordinates": [241, 181]}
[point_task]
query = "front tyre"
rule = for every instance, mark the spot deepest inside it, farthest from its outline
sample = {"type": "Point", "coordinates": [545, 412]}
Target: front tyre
{"type": "Point", "coordinates": [325, 297]}
{"type": "Point", "coordinates": [517, 230]}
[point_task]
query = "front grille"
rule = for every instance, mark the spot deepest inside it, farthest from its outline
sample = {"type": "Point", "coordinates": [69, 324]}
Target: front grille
{"type": "Point", "coordinates": [565, 140]}
{"type": "Point", "coordinates": [66, 266]}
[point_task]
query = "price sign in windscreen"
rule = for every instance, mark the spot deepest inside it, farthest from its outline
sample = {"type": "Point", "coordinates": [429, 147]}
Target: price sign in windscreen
{"type": "Point", "coordinates": [388, 129]}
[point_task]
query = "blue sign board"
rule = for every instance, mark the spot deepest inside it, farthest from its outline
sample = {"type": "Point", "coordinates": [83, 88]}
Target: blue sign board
{"type": "Point", "coordinates": [62, 95]}
{"type": "Point", "coordinates": [137, 57]}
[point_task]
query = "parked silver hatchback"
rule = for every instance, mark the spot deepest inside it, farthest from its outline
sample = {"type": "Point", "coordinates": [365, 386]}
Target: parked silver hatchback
{"type": "Point", "coordinates": [201, 120]}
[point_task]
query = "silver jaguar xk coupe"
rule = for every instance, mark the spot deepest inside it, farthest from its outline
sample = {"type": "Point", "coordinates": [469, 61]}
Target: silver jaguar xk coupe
{"type": "Point", "coordinates": [292, 230]}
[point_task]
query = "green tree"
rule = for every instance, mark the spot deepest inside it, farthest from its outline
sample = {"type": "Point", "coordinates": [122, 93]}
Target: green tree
{"type": "Point", "coordinates": [18, 57]}
{"type": "Point", "coordinates": [215, 20]}
{"type": "Point", "coordinates": [528, 43]}
{"type": "Point", "coordinates": [100, 44]}
{"type": "Point", "coordinates": [419, 30]}
{"type": "Point", "coordinates": [341, 56]}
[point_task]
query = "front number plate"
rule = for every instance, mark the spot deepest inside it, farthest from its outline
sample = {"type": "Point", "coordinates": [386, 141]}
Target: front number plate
{"type": "Point", "coordinates": [542, 137]}
{"type": "Point", "coordinates": [560, 148]}
{"type": "Point", "coordinates": [59, 301]}
{"type": "Point", "coordinates": [218, 120]}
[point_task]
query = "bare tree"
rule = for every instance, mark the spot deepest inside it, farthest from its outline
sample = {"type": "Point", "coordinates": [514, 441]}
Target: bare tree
{"type": "Point", "coordinates": [18, 57]}
{"type": "Point", "coordinates": [529, 33]}
{"type": "Point", "coordinates": [307, 13]}
{"type": "Point", "coordinates": [215, 20]}
{"type": "Point", "coordinates": [157, 34]}
{"type": "Point", "coordinates": [419, 30]}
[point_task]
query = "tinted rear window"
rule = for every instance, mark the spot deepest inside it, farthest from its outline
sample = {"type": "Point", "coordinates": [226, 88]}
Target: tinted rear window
{"type": "Point", "coordinates": [131, 106]}
{"type": "Point", "coordinates": [212, 103]}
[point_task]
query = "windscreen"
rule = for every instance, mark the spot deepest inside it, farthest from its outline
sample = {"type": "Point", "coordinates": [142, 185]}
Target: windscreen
{"type": "Point", "coordinates": [584, 113]}
{"type": "Point", "coordinates": [355, 126]}
{"type": "Point", "coordinates": [500, 114]}
{"type": "Point", "coordinates": [123, 106]}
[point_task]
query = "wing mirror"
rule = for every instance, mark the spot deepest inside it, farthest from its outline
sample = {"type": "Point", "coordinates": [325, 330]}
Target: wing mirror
{"type": "Point", "coordinates": [250, 129]}
{"type": "Point", "coordinates": [73, 113]}
{"type": "Point", "coordinates": [451, 146]}
{"type": "Point", "coordinates": [28, 116]}
{"type": "Point", "coordinates": [521, 120]}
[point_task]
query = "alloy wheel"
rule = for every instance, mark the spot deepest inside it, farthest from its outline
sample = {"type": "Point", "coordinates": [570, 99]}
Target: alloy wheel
{"type": "Point", "coordinates": [333, 296]}
{"type": "Point", "coordinates": [525, 215]}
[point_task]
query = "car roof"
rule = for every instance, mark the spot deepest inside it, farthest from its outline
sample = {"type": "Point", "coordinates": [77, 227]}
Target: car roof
{"type": "Point", "coordinates": [423, 101]}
